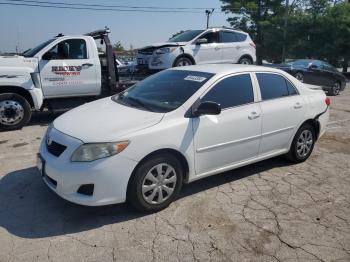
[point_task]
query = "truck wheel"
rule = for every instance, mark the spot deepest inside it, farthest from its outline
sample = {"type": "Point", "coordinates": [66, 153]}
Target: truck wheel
{"type": "Point", "coordinates": [15, 111]}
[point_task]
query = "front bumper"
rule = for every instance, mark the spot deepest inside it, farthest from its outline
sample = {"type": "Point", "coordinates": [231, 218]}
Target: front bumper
{"type": "Point", "coordinates": [109, 176]}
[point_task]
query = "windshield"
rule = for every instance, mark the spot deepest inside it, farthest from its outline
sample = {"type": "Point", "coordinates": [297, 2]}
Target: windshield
{"type": "Point", "coordinates": [164, 91]}
{"type": "Point", "coordinates": [32, 52]}
{"type": "Point", "coordinates": [186, 36]}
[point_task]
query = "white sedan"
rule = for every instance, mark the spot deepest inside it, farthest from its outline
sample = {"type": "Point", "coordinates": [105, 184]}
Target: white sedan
{"type": "Point", "coordinates": [178, 126]}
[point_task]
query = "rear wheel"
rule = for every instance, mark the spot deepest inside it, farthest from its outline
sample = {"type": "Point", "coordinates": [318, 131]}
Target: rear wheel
{"type": "Point", "coordinates": [303, 144]}
{"type": "Point", "coordinates": [335, 89]}
{"type": "Point", "coordinates": [183, 61]}
{"type": "Point", "coordinates": [245, 61]}
{"type": "Point", "coordinates": [156, 183]}
{"type": "Point", "coordinates": [15, 111]}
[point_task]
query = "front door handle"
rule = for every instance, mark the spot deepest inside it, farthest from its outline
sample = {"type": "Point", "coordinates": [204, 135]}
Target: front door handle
{"type": "Point", "coordinates": [253, 115]}
{"type": "Point", "coordinates": [298, 105]}
{"type": "Point", "coordinates": [87, 65]}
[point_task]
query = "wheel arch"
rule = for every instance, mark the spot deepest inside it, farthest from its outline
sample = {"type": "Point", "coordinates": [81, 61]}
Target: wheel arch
{"type": "Point", "coordinates": [185, 55]}
{"type": "Point", "coordinates": [19, 91]}
{"type": "Point", "coordinates": [315, 124]}
{"type": "Point", "coordinates": [177, 154]}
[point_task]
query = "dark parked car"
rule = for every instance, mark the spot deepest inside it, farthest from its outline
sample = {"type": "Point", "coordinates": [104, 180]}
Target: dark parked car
{"type": "Point", "coordinates": [316, 72]}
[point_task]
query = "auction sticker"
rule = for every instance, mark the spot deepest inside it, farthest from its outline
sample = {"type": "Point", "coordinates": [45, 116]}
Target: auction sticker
{"type": "Point", "coordinates": [195, 78]}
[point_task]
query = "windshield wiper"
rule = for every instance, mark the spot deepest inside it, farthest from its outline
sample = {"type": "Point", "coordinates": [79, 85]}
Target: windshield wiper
{"type": "Point", "coordinates": [136, 101]}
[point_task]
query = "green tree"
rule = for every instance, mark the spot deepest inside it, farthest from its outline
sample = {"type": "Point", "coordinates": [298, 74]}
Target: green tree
{"type": "Point", "coordinates": [257, 17]}
{"type": "Point", "coordinates": [334, 36]}
{"type": "Point", "coordinates": [118, 46]}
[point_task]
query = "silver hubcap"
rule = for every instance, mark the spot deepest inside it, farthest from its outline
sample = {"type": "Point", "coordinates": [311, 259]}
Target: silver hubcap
{"type": "Point", "coordinates": [183, 62]}
{"type": "Point", "coordinates": [300, 77]}
{"type": "Point", "coordinates": [336, 88]}
{"type": "Point", "coordinates": [11, 112]}
{"type": "Point", "coordinates": [159, 183]}
{"type": "Point", "coordinates": [304, 143]}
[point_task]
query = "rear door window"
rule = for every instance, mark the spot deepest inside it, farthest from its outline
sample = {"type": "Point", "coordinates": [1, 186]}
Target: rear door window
{"type": "Point", "coordinates": [231, 91]}
{"type": "Point", "coordinates": [227, 37]}
{"type": "Point", "coordinates": [272, 86]}
{"type": "Point", "coordinates": [240, 37]}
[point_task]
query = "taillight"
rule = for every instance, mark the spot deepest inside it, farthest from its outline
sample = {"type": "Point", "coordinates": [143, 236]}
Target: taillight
{"type": "Point", "coordinates": [253, 44]}
{"type": "Point", "coordinates": [328, 101]}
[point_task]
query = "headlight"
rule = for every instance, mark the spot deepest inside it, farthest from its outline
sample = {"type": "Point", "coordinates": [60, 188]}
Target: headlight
{"type": "Point", "coordinates": [165, 50]}
{"type": "Point", "coordinates": [48, 130]}
{"type": "Point", "coordinates": [94, 151]}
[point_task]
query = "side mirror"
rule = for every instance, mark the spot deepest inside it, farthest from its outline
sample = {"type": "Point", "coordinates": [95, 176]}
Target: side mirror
{"type": "Point", "coordinates": [47, 56]}
{"type": "Point", "coordinates": [207, 108]}
{"type": "Point", "coordinates": [201, 41]}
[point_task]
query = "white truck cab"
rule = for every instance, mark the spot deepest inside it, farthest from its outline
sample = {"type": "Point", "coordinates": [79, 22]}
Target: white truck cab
{"type": "Point", "coordinates": [70, 67]}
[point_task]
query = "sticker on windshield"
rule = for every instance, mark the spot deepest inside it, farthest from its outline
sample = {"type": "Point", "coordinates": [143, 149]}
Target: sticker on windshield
{"type": "Point", "coordinates": [195, 78]}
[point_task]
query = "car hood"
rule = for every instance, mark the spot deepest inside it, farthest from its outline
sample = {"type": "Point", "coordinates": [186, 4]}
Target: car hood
{"type": "Point", "coordinates": [104, 121]}
{"type": "Point", "coordinates": [15, 61]}
{"type": "Point", "coordinates": [164, 44]}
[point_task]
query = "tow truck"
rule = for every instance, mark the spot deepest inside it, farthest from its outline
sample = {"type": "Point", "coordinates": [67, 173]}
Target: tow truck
{"type": "Point", "coordinates": [61, 73]}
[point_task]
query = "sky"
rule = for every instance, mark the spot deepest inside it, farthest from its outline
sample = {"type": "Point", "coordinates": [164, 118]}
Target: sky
{"type": "Point", "coordinates": [29, 26]}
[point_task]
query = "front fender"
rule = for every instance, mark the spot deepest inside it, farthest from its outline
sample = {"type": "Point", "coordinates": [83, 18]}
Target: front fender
{"type": "Point", "coordinates": [13, 79]}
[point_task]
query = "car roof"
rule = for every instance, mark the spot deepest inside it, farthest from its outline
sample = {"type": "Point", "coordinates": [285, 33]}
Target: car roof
{"type": "Point", "coordinates": [224, 69]}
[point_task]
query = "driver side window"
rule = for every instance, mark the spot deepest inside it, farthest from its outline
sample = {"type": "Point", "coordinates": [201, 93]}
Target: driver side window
{"type": "Point", "coordinates": [68, 49]}
{"type": "Point", "coordinates": [212, 37]}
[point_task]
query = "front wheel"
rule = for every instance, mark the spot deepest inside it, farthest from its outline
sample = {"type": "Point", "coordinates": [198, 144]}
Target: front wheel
{"type": "Point", "coordinates": [335, 90]}
{"type": "Point", "coordinates": [182, 61]}
{"type": "Point", "coordinates": [15, 111]}
{"type": "Point", "coordinates": [303, 144]}
{"type": "Point", "coordinates": [156, 183]}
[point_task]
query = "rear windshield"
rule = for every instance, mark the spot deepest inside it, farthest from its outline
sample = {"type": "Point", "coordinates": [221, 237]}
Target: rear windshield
{"type": "Point", "coordinates": [164, 91]}
{"type": "Point", "coordinates": [186, 36]}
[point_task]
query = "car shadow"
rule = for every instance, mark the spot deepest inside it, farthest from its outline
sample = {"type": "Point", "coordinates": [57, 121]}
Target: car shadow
{"type": "Point", "coordinates": [44, 118]}
{"type": "Point", "coordinates": [28, 208]}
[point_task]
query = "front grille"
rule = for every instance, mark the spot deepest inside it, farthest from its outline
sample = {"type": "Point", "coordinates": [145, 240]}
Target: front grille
{"type": "Point", "coordinates": [55, 148]}
{"type": "Point", "coordinates": [147, 51]}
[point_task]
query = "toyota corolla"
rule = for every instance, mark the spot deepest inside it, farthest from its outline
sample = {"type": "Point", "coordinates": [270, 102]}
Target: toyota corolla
{"type": "Point", "coordinates": [178, 126]}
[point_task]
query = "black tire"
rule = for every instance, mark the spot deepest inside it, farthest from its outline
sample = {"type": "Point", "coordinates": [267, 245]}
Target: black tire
{"type": "Point", "coordinates": [335, 89]}
{"type": "Point", "coordinates": [183, 61]}
{"type": "Point", "coordinates": [23, 111]}
{"type": "Point", "coordinates": [135, 195]}
{"type": "Point", "coordinates": [300, 76]}
{"type": "Point", "coordinates": [245, 61]}
{"type": "Point", "coordinates": [293, 154]}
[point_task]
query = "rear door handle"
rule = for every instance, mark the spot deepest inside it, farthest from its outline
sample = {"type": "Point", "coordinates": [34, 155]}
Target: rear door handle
{"type": "Point", "coordinates": [87, 65]}
{"type": "Point", "coordinates": [298, 105]}
{"type": "Point", "coordinates": [253, 115]}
